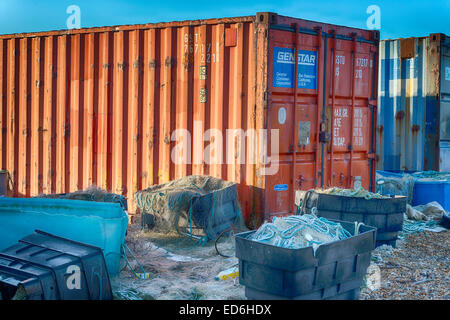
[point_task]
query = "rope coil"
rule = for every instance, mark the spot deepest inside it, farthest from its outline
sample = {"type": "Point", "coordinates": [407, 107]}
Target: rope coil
{"type": "Point", "coordinates": [295, 232]}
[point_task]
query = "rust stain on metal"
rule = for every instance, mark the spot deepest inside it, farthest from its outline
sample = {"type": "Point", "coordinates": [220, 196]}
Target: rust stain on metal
{"type": "Point", "coordinates": [400, 115]}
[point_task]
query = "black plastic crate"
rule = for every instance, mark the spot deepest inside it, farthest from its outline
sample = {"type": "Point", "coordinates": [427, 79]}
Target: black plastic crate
{"type": "Point", "coordinates": [211, 212]}
{"type": "Point", "coordinates": [335, 271]}
{"type": "Point", "coordinates": [384, 214]}
{"type": "Point", "coordinates": [44, 266]}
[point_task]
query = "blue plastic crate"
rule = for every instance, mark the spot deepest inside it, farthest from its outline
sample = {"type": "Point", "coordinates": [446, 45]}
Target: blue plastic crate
{"type": "Point", "coordinates": [428, 191]}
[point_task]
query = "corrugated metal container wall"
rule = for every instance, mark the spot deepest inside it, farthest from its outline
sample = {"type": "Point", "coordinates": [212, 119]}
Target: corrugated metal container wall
{"type": "Point", "coordinates": [413, 131]}
{"type": "Point", "coordinates": [330, 135]}
{"type": "Point", "coordinates": [106, 106]}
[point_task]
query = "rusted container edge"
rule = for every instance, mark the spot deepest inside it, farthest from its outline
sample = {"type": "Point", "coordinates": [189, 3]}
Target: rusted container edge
{"type": "Point", "coordinates": [413, 95]}
{"type": "Point", "coordinates": [146, 26]}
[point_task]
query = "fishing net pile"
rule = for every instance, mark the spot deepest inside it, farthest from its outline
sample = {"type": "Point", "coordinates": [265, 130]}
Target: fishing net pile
{"type": "Point", "coordinates": [295, 232]}
{"type": "Point", "coordinates": [172, 203]}
{"type": "Point", "coordinates": [431, 176]}
{"type": "Point", "coordinates": [402, 184]}
{"type": "Point", "coordinates": [93, 193]}
{"type": "Point", "coordinates": [357, 192]}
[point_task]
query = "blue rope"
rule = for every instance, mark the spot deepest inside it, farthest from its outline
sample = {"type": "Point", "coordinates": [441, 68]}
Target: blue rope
{"type": "Point", "coordinates": [269, 233]}
{"type": "Point", "coordinates": [127, 262]}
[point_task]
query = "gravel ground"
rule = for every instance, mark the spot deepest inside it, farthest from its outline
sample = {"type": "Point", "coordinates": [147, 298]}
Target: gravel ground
{"type": "Point", "coordinates": [418, 269]}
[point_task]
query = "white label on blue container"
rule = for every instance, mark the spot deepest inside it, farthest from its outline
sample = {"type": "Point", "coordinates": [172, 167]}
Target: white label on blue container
{"type": "Point", "coordinates": [447, 73]}
{"type": "Point", "coordinates": [281, 187]}
{"type": "Point", "coordinates": [283, 68]}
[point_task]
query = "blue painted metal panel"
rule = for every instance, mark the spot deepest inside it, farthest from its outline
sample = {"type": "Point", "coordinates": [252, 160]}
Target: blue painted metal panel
{"type": "Point", "coordinates": [444, 125]}
{"type": "Point", "coordinates": [411, 110]}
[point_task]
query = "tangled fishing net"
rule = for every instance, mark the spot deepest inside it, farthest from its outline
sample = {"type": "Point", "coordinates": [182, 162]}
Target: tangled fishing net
{"type": "Point", "coordinates": [357, 192]}
{"type": "Point", "coordinates": [295, 232]}
{"type": "Point", "coordinates": [172, 203]}
{"type": "Point", "coordinates": [431, 175]}
{"type": "Point", "coordinates": [413, 226]}
{"type": "Point", "coordinates": [395, 185]}
{"type": "Point", "coordinates": [93, 193]}
{"type": "Point", "coordinates": [403, 183]}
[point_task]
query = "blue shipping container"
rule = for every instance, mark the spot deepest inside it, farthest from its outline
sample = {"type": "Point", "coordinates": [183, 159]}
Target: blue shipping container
{"type": "Point", "coordinates": [413, 129]}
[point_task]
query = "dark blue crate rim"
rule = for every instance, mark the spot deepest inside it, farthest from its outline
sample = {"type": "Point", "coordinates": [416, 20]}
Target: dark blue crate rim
{"type": "Point", "coordinates": [386, 214]}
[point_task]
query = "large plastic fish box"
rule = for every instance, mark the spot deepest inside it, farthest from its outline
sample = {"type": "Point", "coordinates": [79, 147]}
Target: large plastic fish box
{"type": "Point", "coordinates": [384, 214]}
{"type": "Point", "coordinates": [335, 271]}
{"type": "Point", "coordinates": [42, 266]}
{"type": "Point", "coordinates": [100, 224]}
{"type": "Point", "coordinates": [429, 191]}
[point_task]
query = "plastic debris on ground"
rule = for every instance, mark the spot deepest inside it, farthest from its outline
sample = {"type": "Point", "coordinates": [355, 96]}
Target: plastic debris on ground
{"type": "Point", "coordinates": [230, 273]}
{"type": "Point", "coordinates": [426, 217]}
{"type": "Point", "coordinates": [418, 268]}
{"type": "Point", "coordinates": [429, 211]}
{"type": "Point", "coordinates": [296, 232]}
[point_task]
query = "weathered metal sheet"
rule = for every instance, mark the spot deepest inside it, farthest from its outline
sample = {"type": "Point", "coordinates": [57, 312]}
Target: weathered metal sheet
{"type": "Point", "coordinates": [413, 103]}
{"type": "Point", "coordinates": [100, 106]}
{"type": "Point", "coordinates": [111, 106]}
{"type": "Point", "coordinates": [444, 123]}
{"type": "Point", "coordinates": [335, 94]}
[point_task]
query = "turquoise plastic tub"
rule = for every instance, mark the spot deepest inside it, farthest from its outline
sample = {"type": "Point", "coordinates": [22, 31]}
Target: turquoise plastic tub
{"type": "Point", "coordinates": [100, 224]}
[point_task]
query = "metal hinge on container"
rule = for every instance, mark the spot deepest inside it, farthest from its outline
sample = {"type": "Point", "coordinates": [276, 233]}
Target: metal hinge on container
{"type": "Point", "coordinates": [324, 136]}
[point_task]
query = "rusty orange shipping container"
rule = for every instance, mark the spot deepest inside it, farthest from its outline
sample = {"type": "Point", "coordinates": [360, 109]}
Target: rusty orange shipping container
{"type": "Point", "coordinates": [117, 106]}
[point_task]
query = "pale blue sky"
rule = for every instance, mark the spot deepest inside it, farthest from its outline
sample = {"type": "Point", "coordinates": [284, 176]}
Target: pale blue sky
{"type": "Point", "coordinates": [398, 18]}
